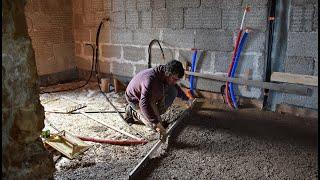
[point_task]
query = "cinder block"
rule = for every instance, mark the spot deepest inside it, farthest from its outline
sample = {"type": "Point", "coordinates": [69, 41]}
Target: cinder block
{"type": "Point", "coordinates": [132, 20]}
{"type": "Point", "coordinates": [118, 5]}
{"type": "Point", "coordinates": [139, 67]}
{"type": "Point", "coordinates": [107, 6]}
{"type": "Point", "coordinates": [256, 18]}
{"type": "Point", "coordinates": [316, 67]}
{"type": "Point", "coordinates": [315, 20]}
{"type": "Point", "coordinates": [214, 40]}
{"type": "Point", "coordinates": [211, 3]}
{"type": "Point", "coordinates": [109, 51]}
{"type": "Point", "coordinates": [143, 5]}
{"type": "Point", "coordinates": [156, 55]}
{"type": "Point", "coordinates": [134, 53]}
{"type": "Point", "coordinates": [221, 61]}
{"type": "Point", "coordinates": [211, 18]}
{"type": "Point", "coordinates": [82, 35]}
{"type": "Point", "coordinates": [144, 37]}
{"type": "Point", "coordinates": [63, 56]}
{"type": "Point", "coordinates": [256, 41]}
{"type": "Point", "coordinates": [299, 65]}
{"type": "Point", "coordinates": [193, 17]}
{"type": "Point", "coordinates": [303, 2]}
{"type": "Point", "coordinates": [83, 63]}
{"type": "Point", "coordinates": [254, 61]}
{"type": "Point", "coordinates": [175, 18]}
{"type": "Point", "coordinates": [122, 69]}
{"type": "Point", "coordinates": [231, 18]}
{"type": "Point", "coordinates": [145, 19]}
{"type": "Point", "coordinates": [92, 19]}
{"type": "Point", "coordinates": [301, 18]}
{"type": "Point", "coordinates": [231, 3]}
{"type": "Point", "coordinates": [304, 101]}
{"type": "Point", "coordinates": [67, 34]}
{"type": "Point", "coordinates": [78, 20]}
{"type": "Point", "coordinates": [204, 62]}
{"type": "Point", "coordinates": [160, 18]}
{"type": "Point", "coordinates": [119, 36]}
{"type": "Point", "coordinates": [255, 3]}
{"type": "Point", "coordinates": [87, 6]}
{"type": "Point", "coordinates": [182, 3]}
{"type": "Point", "coordinates": [131, 5]}
{"type": "Point", "coordinates": [179, 38]}
{"type": "Point", "coordinates": [302, 44]}
{"type": "Point", "coordinates": [118, 19]}
{"type": "Point", "coordinates": [158, 4]}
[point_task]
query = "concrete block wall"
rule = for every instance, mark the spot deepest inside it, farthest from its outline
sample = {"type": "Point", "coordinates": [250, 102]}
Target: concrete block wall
{"type": "Point", "coordinates": [301, 53]}
{"type": "Point", "coordinates": [50, 28]}
{"type": "Point", "coordinates": [180, 25]}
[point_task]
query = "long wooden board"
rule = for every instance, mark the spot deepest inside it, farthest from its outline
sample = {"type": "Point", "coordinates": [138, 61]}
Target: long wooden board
{"type": "Point", "coordinates": [294, 78]}
{"type": "Point", "coordinates": [287, 88]}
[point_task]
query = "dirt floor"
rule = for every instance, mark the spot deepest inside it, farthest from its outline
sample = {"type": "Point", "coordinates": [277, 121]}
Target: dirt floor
{"type": "Point", "coordinates": [212, 143]}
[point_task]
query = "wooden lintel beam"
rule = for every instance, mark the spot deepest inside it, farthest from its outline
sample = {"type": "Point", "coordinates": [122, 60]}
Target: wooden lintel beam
{"type": "Point", "coordinates": [295, 78]}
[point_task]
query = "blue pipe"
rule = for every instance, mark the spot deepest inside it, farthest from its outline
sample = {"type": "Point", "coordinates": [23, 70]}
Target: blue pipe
{"type": "Point", "coordinates": [243, 39]}
{"type": "Point", "coordinates": [193, 68]}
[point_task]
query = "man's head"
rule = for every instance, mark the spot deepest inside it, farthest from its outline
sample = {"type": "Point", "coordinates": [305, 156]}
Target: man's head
{"type": "Point", "coordinates": [174, 71]}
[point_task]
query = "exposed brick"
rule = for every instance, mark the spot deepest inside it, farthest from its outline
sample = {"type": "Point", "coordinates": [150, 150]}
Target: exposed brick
{"type": "Point", "coordinates": [132, 20]}
{"type": "Point", "coordinates": [118, 5]}
{"type": "Point", "coordinates": [97, 5]}
{"type": "Point", "coordinates": [302, 44]}
{"type": "Point", "coordinates": [109, 51]}
{"type": "Point", "coordinates": [87, 6]}
{"type": "Point", "coordinates": [118, 19]}
{"type": "Point", "coordinates": [78, 21]}
{"type": "Point", "coordinates": [107, 6]}
{"type": "Point", "coordinates": [140, 67]}
{"type": "Point", "coordinates": [82, 35]}
{"type": "Point", "coordinates": [159, 18]}
{"type": "Point", "coordinates": [143, 5]}
{"type": "Point", "coordinates": [119, 36]}
{"type": "Point", "coordinates": [182, 3]}
{"type": "Point", "coordinates": [134, 53]}
{"type": "Point", "coordinates": [144, 37]}
{"type": "Point", "coordinates": [45, 35]}
{"type": "Point", "coordinates": [63, 56]}
{"type": "Point", "coordinates": [179, 38]}
{"type": "Point", "coordinates": [67, 35]}
{"type": "Point", "coordinates": [93, 19]}
{"type": "Point", "coordinates": [299, 65]}
{"type": "Point", "coordinates": [87, 50]}
{"type": "Point", "coordinates": [77, 6]}
{"type": "Point", "coordinates": [131, 5]}
{"type": "Point", "coordinates": [175, 18]}
{"type": "Point", "coordinates": [83, 63]}
{"type": "Point", "coordinates": [78, 49]}
{"type": "Point", "coordinates": [104, 36]}
{"type": "Point", "coordinates": [158, 4]}
{"type": "Point", "coordinates": [145, 19]}
{"type": "Point", "coordinates": [215, 40]}
{"type": "Point", "coordinates": [122, 69]}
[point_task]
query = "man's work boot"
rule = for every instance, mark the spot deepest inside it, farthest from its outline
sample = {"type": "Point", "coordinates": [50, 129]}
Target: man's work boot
{"type": "Point", "coordinates": [128, 115]}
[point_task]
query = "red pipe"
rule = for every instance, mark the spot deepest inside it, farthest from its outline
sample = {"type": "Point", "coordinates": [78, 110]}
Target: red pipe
{"type": "Point", "coordinates": [114, 142]}
{"type": "Point", "coordinates": [226, 91]}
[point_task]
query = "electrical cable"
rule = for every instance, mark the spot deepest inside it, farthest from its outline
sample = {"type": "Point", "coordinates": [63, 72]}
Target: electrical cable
{"type": "Point", "coordinates": [149, 51]}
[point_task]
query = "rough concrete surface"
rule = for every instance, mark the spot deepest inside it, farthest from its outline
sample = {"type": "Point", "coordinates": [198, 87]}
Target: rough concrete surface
{"type": "Point", "coordinates": [215, 143]}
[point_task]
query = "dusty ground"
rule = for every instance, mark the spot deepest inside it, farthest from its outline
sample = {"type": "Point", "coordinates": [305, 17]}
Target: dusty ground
{"type": "Point", "coordinates": [213, 143]}
{"type": "Point", "coordinates": [100, 161]}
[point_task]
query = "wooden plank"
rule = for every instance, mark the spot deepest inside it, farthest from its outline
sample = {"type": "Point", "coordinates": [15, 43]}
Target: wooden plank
{"type": "Point", "coordinates": [294, 78]}
{"type": "Point", "coordinates": [287, 88]}
{"type": "Point", "coordinates": [110, 126]}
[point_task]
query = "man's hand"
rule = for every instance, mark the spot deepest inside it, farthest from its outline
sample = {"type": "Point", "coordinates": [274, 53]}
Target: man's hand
{"type": "Point", "coordinates": [162, 131]}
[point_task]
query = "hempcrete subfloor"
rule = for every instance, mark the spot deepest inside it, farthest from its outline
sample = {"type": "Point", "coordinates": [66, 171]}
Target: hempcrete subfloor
{"type": "Point", "coordinates": [214, 142]}
{"type": "Point", "coordinates": [100, 161]}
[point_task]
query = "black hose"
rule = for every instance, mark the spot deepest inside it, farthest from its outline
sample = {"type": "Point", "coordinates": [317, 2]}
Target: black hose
{"type": "Point", "coordinates": [149, 51]}
{"type": "Point", "coordinates": [87, 81]}
{"type": "Point", "coordinates": [271, 18]}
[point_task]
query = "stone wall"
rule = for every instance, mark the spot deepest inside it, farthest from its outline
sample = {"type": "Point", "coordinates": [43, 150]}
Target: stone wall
{"type": "Point", "coordinates": [23, 154]}
{"type": "Point", "coordinates": [50, 28]}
